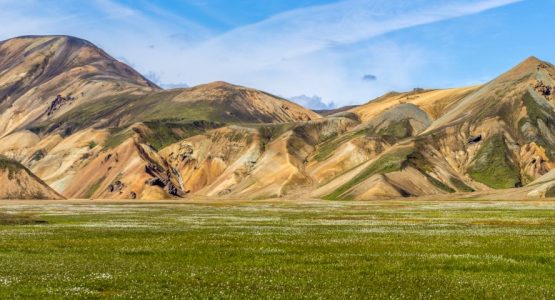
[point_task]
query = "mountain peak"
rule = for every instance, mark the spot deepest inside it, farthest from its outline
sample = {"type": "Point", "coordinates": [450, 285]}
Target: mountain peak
{"type": "Point", "coordinates": [531, 62]}
{"type": "Point", "coordinates": [532, 59]}
{"type": "Point", "coordinates": [528, 66]}
{"type": "Point", "coordinates": [218, 84]}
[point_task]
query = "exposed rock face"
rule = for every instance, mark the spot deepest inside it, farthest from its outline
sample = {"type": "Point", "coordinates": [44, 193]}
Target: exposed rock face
{"type": "Point", "coordinates": [474, 139]}
{"type": "Point", "coordinates": [36, 69]}
{"type": "Point", "coordinates": [58, 103]}
{"type": "Point", "coordinates": [92, 127]}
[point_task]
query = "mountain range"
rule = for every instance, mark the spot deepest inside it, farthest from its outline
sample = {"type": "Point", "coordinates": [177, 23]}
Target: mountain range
{"type": "Point", "coordinates": [76, 123]}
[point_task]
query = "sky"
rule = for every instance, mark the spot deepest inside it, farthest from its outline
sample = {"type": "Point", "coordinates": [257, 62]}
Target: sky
{"type": "Point", "coordinates": [321, 53]}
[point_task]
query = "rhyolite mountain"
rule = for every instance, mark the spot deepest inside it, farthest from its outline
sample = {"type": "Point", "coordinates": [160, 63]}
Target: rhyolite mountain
{"type": "Point", "coordinates": [88, 126]}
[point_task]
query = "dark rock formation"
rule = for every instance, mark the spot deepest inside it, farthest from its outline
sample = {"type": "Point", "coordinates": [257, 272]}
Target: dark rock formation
{"type": "Point", "coordinates": [474, 139]}
{"type": "Point", "coordinates": [116, 187]}
{"type": "Point", "coordinates": [58, 103]}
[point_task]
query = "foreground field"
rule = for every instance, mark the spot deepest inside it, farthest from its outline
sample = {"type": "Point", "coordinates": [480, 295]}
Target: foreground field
{"type": "Point", "coordinates": [340, 250]}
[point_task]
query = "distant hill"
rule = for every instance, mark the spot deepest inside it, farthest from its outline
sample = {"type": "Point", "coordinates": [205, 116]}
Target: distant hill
{"type": "Point", "coordinates": [329, 112]}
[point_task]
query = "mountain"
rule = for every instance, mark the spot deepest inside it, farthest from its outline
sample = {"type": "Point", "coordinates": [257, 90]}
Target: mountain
{"type": "Point", "coordinates": [19, 183]}
{"type": "Point", "coordinates": [42, 78]}
{"type": "Point", "coordinates": [495, 136]}
{"type": "Point", "coordinates": [91, 127]}
{"type": "Point", "coordinates": [66, 102]}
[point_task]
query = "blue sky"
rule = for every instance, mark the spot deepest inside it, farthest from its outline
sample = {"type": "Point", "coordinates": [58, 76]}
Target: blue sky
{"type": "Point", "coordinates": [341, 51]}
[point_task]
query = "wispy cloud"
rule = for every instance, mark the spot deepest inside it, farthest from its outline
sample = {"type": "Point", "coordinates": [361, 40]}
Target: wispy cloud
{"type": "Point", "coordinates": [320, 49]}
{"type": "Point", "coordinates": [304, 50]}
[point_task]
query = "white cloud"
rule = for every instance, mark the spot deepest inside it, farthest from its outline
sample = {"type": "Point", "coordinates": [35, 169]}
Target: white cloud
{"type": "Point", "coordinates": [313, 102]}
{"type": "Point", "coordinates": [319, 49]}
{"type": "Point", "coordinates": [305, 51]}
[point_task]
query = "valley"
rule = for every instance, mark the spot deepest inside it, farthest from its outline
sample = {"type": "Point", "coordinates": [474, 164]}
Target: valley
{"type": "Point", "coordinates": [277, 249]}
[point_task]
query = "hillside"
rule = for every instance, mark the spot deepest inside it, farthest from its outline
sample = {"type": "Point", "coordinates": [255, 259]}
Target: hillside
{"type": "Point", "coordinates": [41, 78]}
{"type": "Point", "coordinates": [68, 102]}
{"type": "Point", "coordinates": [91, 127]}
{"type": "Point", "coordinates": [495, 136]}
{"type": "Point", "coordinates": [18, 182]}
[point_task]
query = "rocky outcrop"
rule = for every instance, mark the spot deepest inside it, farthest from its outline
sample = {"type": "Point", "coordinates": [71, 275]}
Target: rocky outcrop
{"type": "Point", "coordinates": [58, 103]}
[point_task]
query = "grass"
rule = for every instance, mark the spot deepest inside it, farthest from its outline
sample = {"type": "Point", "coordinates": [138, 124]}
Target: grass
{"type": "Point", "coordinates": [93, 188]}
{"type": "Point", "coordinates": [461, 186]}
{"type": "Point", "coordinates": [392, 133]}
{"type": "Point", "coordinates": [419, 162]}
{"type": "Point", "coordinates": [320, 250]}
{"type": "Point", "coordinates": [162, 133]}
{"type": "Point", "coordinates": [117, 137]}
{"type": "Point", "coordinates": [492, 165]}
{"type": "Point", "coordinates": [124, 110]}
{"type": "Point", "coordinates": [326, 149]}
{"type": "Point", "coordinates": [18, 219]}
{"type": "Point", "coordinates": [270, 132]}
{"type": "Point", "coordinates": [388, 162]}
{"type": "Point", "coordinates": [397, 130]}
{"type": "Point", "coordinates": [439, 184]}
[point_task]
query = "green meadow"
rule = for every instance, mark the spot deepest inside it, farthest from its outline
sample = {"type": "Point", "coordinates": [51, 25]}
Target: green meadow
{"type": "Point", "coordinates": [278, 250]}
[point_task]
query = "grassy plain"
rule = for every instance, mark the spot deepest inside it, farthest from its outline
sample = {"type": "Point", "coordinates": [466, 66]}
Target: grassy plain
{"type": "Point", "coordinates": [270, 249]}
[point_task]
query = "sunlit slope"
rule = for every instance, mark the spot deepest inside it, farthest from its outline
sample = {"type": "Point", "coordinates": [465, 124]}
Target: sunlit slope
{"type": "Point", "coordinates": [497, 136]}
{"type": "Point", "coordinates": [17, 182]}
{"type": "Point", "coordinates": [44, 77]}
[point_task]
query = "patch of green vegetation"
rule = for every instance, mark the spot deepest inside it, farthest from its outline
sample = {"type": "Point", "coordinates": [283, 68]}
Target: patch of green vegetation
{"type": "Point", "coordinates": [526, 179]}
{"type": "Point", "coordinates": [397, 130]}
{"type": "Point", "coordinates": [10, 165]}
{"type": "Point", "coordinates": [162, 133]}
{"type": "Point", "coordinates": [419, 162]}
{"type": "Point", "coordinates": [387, 163]}
{"type": "Point", "coordinates": [439, 184]}
{"type": "Point", "coordinates": [461, 186]}
{"type": "Point", "coordinates": [93, 188]}
{"type": "Point", "coordinates": [112, 110]}
{"type": "Point", "coordinates": [535, 111]}
{"type": "Point", "coordinates": [378, 250]}
{"type": "Point", "coordinates": [270, 132]}
{"type": "Point", "coordinates": [492, 165]}
{"type": "Point", "coordinates": [117, 137]}
{"type": "Point", "coordinates": [19, 219]}
{"type": "Point", "coordinates": [328, 147]}
{"type": "Point", "coordinates": [92, 144]}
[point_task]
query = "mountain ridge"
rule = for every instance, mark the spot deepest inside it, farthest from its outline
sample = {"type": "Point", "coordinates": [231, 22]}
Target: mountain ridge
{"type": "Point", "coordinates": [137, 141]}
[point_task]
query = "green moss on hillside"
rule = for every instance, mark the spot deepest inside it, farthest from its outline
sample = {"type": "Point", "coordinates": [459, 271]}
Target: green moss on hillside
{"type": "Point", "coordinates": [398, 130]}
{"type": "Point", "coordinates": [492, 165]}
{"type": "Point", "coordinates": [419, 162]}
{"type": "Point", "coordinates": [270, 132]}
{"type": "Point", "coordinates": [117, 137]}
{"type": "Point", "coordinates": [11, 166]}
{"type": "Point", "coordinates": [535, 111]}
{"type": "Point", "coordinates": [163, 133]}
{"type": "Point", "coordinates": [387, 163]}
{"type": "Point", "coordinates": [461, 186]}
{"type": "Point", "coordinates": [439, 184]}
{"type": "Point", "coordinates": [93, 188]}
{"type": "Point", "coordinates": [328, 147]}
